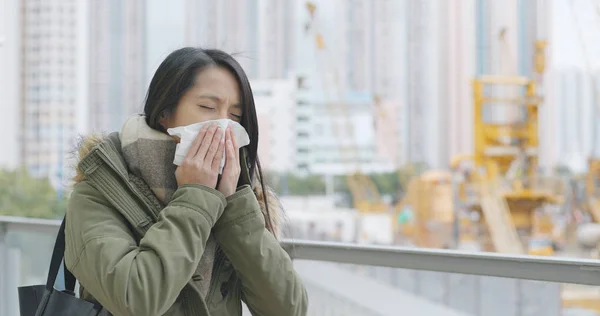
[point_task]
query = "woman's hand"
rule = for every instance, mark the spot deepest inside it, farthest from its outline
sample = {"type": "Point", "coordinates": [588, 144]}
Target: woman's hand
{"type": "Point", "coordinates": [202, 162]}
{"type": "Point", "coordinates": [231, 171]}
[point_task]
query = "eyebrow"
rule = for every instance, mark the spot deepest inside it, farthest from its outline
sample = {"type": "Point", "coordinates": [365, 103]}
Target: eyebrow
{"type": "Point", "coordinates": [216, 99]}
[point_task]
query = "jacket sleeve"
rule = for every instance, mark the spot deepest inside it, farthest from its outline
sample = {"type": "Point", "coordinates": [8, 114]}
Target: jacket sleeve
{"type": "Point", "coordinates": [270, 285]}
{"type": "Point", "coordinates": [145, 279]}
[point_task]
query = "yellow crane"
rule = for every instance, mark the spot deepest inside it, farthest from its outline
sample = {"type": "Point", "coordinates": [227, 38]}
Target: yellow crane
{"type": "Point", "coordinates": [365, 196]}
{"type": "Point", "coordinates": [505, 162]}
{"type": "Point", "coordinates": [508, 152]}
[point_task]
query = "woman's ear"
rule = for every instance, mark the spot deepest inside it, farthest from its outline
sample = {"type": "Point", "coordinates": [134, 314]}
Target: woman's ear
{"type": "Point", "coordinates": [163, 121]}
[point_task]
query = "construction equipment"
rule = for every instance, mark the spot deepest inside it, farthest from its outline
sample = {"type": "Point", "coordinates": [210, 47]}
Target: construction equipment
{"type": "Point", "coordinates": [365, 195]}
{"type": "Point", "coordinates": [591, 189]}
{"type": "Point", "coordinates": [505, 163]}
{"type": "Point", "coordinates": [588, 234]}
{"type": "Point", "coordinates": [429, 198]}
{"type": "Point", "coordinates": [499, 221]}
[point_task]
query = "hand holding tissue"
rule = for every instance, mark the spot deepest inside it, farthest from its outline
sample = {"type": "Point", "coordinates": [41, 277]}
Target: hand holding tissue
{"type": "Point", "coordinates": [188, 133]}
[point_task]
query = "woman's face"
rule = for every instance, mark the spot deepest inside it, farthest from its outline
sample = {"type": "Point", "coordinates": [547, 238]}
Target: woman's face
{"type": "Point", "coordinates": [214, 95]}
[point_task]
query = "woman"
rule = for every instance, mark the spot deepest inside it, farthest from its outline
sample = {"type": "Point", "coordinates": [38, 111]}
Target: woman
{"type": "Point", "coordinates": [145, 237]}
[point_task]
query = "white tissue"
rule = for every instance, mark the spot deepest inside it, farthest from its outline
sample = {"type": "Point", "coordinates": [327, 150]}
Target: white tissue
{"type": "Point", "coordinates": [188, 133]}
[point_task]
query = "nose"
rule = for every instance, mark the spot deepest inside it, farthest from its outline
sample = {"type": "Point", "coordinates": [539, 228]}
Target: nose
{"type": "Point", "coordinates": [222, 114]}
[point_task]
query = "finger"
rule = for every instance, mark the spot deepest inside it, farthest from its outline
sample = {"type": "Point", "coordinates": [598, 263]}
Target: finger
{"type": "Point", "coordinates": [201, 153]}
{"type": "Point", "coordinates": [231, 152]}
{"type": "Point", "coordinates": [216, 163]}
{"type": "Point", "coordinates": [235, 146]}
{"type": "Point", "coordinates": [214, 145]}
{"type": "Point", "coordinates": [196, 143]}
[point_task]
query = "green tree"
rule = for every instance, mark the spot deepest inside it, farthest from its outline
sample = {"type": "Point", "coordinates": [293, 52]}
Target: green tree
{"type": "Point", "coordinates": [305, 185]}
{"type": "Point", "coordinates": [292, 184]}
{"type": "Point", "coordinates": [23, 195]}
{"type": "Point", "coordinates": [390, 183]}
{"type": "Point", "coordinates": [387, 183]}
{"type": "Point", "coordinates": [408, 171]}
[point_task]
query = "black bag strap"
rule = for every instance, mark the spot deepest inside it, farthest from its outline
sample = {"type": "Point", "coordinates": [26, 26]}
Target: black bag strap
{"type": "Point", "coordinates": [57, 257]}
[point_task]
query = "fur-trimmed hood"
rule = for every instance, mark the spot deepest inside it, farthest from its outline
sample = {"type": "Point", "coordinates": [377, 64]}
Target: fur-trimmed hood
{"type": "Point", "coordinates": [89, 142]}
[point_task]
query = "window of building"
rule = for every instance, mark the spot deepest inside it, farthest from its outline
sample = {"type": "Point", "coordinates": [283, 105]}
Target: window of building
{"type": "Point", "coordinates": [302, 134]}
{"type": "Point", "coordinates": [302, 166]}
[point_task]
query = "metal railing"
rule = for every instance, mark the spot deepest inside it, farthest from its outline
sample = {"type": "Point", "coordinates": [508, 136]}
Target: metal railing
{"type": "Point", "coordinates": [525, 267]}
{"type": "Point", "coordinates": [549, 269]}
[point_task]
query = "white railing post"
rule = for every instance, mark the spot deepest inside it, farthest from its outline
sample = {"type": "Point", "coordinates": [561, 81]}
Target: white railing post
{"type": "Point", "coordinates": [13, 274]}
{"type": "Point", "coordinates": [3, 270]}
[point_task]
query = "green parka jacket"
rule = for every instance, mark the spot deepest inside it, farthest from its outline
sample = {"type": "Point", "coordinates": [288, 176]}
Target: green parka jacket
{"type": "Point", "coordinates": [138, 258]}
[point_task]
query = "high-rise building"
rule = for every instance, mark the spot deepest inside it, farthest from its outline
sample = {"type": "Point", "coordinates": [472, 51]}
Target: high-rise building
{"type": "Point", "coordinates": [577, 135]}
{"type": "Point", "coordinates": [305, 91]}
{"type": "Point", "coordinates": [366, 41]}
{"type": "Point", "coordinates": [363, 56]}
{"type": "Point", "coordinates": [54, 84]}
{"type": "Point", "coordinates": [257, 32]}
{"type": "Point", "coordinates": [344, 137]}
{"type": "Point", "coordinates": [438, 99]}
{"type": "Point", "coordinates": [354, 37]}
{"type": "Point", "coordinates": [275, 39]}
{"type": "Point", "coordinates": [457, 46]}
{"type": "Point", "coordinates": [412, 54]}
{"type": "Point", "coordinates": [229, 25]}
{"type": "Point", "coordinates": [165, 31]}
{"type": "Point", "coordinates": [117, 62]}
{"type": "Point", "coordinates": [390, 43]}
{"type": "Point", "coordinates": [276, 111]}
{"type": "Point", "coordinates": [340, 138]}
{"type": "Point", "coordinates": [10, 83]}
{"type": "Point", "coordinates": [444, 38]}
{"type": "Point", "coordinates": [423, 95]}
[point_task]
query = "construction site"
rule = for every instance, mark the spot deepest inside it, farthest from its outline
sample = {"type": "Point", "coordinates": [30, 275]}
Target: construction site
{"type": "Point", "coordinates": [494, 198]}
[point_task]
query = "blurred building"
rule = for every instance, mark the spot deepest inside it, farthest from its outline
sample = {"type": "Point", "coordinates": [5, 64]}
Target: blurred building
{"type": "Point", "coordinates": [578, 113]}
{"type": "Point", "coordinates": [364, 55]}
{"type": "Point", "coordinates": [458, 41]}
{"type": "Point", "coordinates": [366, 39]}
{"type": "Point", "coordinates": [10, 83]}
{"type": "Point", "coordinates": [165, 32]}
{"type": "Point", "coordinates": [444, 38]}
{"type": "Point", "coordinates": [275, 44]}
{"type": "Point", "coordinates": [117, 60]}
{"type": "Point", "coordinates": [440, 46]}
{"type": "Point", "coordinates": [415, 52]}
{"type": "Point", "coordinates": [343, 136]}
{"type": "Point", "coordinates": [275, 107]}
{"type": "Point", "coordinates": [258, 32]}
{"type": "Point", "coordinates": [230, 25]}
{"type": "Point", "coordinates": [54, 83]}
{"type": "Point", "coordinates": [304, 118]}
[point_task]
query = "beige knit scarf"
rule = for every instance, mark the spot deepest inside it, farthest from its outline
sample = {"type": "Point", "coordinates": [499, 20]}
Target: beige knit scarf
{"type": "Point", "coordinates": [149, 155]}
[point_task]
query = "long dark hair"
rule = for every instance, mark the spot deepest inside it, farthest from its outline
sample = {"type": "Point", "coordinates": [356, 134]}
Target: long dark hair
{"type": "Point", "coordinates": [176, 74]}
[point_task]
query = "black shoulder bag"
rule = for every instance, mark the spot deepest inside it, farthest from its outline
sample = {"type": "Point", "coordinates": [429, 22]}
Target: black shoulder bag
{"type": "Point", "coordinates": [45, 300]}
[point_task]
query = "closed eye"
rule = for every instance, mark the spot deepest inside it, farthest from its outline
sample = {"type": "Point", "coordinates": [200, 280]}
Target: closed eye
{"type": "Point", "coordinates": [239, 117]}
{"type": "Point", "coordinates": [206, 107]}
